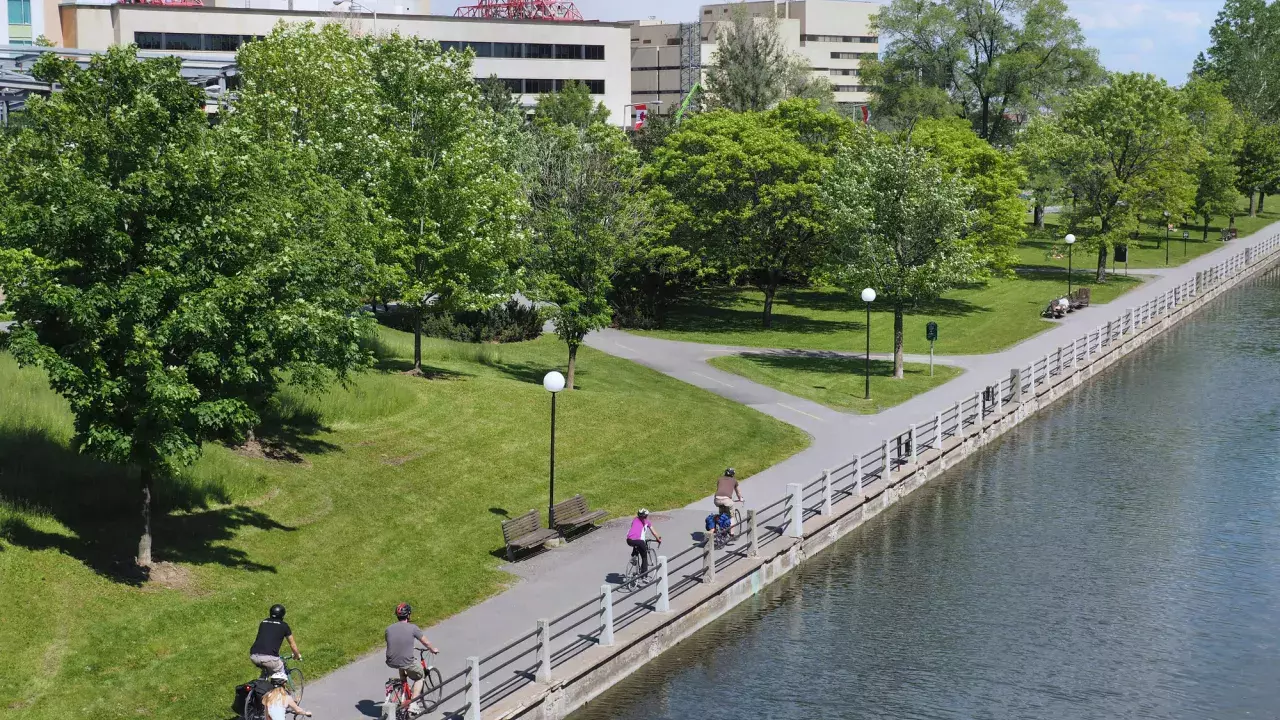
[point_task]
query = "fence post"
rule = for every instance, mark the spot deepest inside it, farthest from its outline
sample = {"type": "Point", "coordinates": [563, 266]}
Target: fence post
{"type": "Point", "coordinates": [473, 688]}
{"type": "Point", "coordinates": [999, 400]}
{"type": "Point", "coordinates": [981, 408]}
{"type": "Point", "coordinates": [709, 557]}
{"type": "Point", "coordinates": [606, 615]}
{"type": "Point", "coordinates": [959, 421]}
{"type": "Point", "coordinates": [1016, 376]}
{"type": "Point", "coordinates": [544, 652]}
{"type": "Point", "coordinates": [937, 431]}
{"type": "Point", "coordinates": [1109, 336]}
{"type": "Point", "coordinates": [888, 462]}
{"type": "Point", "coordinates": [1033, 380]}
{"type": "Point", "coordinates": [795, 525]}
{"type": "Point", "coordinates": [857, 474]}
{"type": "Point", "coordinates": [754, 549]}
{"type": "Point", "coordinates": [826, 492]}
{"type": "Point", "coordinates": [911, 439]}
{"type": "Point", "coordinates": [664, 585]}
{"type": "Point", "coordinates": [1059, 359]}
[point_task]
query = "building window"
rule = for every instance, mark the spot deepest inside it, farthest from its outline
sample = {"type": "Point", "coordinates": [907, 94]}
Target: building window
{"type": "Point", "coordinates": [852, 56]}
{"type": "Point", "coordinates": [514, 85]}
{"type": "Point", "coordinates": [222, 43]}
{"type": "Point", "coordinates": [647, 41]}
{"type": "Point", "coordinates": [19, 12]}
{"type": "Point", "coordinates": [447, 45]}
{"type": "Point", "coordinates": [673, 41]}
{"type": "Point", "coordinates": [539, 51]}
{"type": "Point", "coordinates": [481, 49]}
{"type": "Point", "coordinates": [149, 40]}
{"type": "Point", "coordinates": [537, 86]}
{"type": "Point", "coordinates": [568, 52]}
{"type": "Point", "coordinates": [706, 12]}
{"type": "Point", "coordinates": [851, 88]}
{"type": "Point", "coordinates": [595, 86]}
{"type": "Point", "coordinates": [508, 50]}
{"type": "Point", "coordinates": [595, 52]}
{"type": "Point", "coordinates": [182, 41]}
{"type": "Point", "coordinates": [846, 71]}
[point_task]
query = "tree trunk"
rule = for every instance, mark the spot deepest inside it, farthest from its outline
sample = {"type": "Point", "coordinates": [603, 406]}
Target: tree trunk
{"type": "Point", "coordinates": [573, 365]}
{"type": "Point", "coordinates": [144, 544]}
{"type": "Point", "coordinates": [1102, 253]}
{"type": "Point", "coordinates": [897, 341]}
{"type": "Point", "coordinates": [417, 340]}
{"type": "Point", "coordinates": [986, 118]}
{"type": "Point", "coordinates": [770, 291]}
{"type": "Point", "coordinates": [1206, 227]}
{"type": "Point", "coordinates": [1262, 200]}
{"type": "Point", "coordinates": [1253, 210]}
{"type": "Point", "coordinates": [1038, 214]}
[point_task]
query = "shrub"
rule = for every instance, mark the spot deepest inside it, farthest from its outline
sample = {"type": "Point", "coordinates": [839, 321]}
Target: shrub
{"type": "Point", "coordinates": [509, 322]}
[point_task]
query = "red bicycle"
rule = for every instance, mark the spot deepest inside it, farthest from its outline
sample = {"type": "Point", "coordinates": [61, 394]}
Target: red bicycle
{"type": "Point", "coordinates": [400, 691]}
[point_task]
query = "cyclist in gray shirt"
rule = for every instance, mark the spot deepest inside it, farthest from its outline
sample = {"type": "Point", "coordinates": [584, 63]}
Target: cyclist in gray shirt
{"type": "Point", "coordinates": [400, 655]}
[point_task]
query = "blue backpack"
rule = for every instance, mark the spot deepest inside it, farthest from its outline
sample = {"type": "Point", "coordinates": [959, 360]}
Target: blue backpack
{"type": "Point", "coordinates": [721, 519]}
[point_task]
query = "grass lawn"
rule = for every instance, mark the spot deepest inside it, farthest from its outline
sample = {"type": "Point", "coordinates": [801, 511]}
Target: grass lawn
{"type": "Point", "coordinates": [971, 320]}
{"type": "Point", "coordinates": [1045, 247]}
{"type": "Point", "coordinates": [835, 381]}
{"type": "Point", "coordinates": [396, 495]}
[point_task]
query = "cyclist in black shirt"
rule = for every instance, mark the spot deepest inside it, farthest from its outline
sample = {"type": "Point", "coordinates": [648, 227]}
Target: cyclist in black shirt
{"type": "Point", "coordinates": [272, 633]}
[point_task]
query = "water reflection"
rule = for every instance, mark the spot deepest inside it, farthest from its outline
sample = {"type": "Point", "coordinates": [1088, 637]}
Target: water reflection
{"type": "Point", "coordinates": [1118, 557]}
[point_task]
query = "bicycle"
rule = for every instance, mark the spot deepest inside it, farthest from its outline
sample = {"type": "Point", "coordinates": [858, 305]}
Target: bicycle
{"type": "Point", "coordinates": [252, 709]}
{"type": "Point", "coordinates": [632, 577]}
{"type": "Point", "coordinates": [400, 690]}
{"type": "Point", "coordinates": [296, 681]}
{"type": "Point", "coordinates": [725, 536]}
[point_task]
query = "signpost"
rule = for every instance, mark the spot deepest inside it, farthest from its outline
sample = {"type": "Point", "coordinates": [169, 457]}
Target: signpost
{"type": "Point", "coordinates": [931, 334]}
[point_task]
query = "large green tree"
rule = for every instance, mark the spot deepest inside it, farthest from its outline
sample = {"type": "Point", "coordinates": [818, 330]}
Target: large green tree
{"type": "Point", "coordinates": [752, 69]}
{"type": "Point", "coordinates": [1122, 148]}
{"type": "Point", "coordinates": [589, 210]}
{"type": "Point", "coordinates": [991, 58]}
{"type": "Point", "coordinates": [744, 190]}
{"type": "Point", "coordinates": [1258, 160]}
{"type": "Point", "coordinates": [169, 277]}
{"type": "Point", "coordinates": [573, 104]}
{"type": "Point", "coordinates": [1220, 131]}
{"type": "Point", "coordinates": [1245, 54]}
{"type": "Point", "coordinates": [454, 201]}
{"type": "Point", "coordinates": [994, 179]}
{"type": "Point", "coordinates": [899, 219]}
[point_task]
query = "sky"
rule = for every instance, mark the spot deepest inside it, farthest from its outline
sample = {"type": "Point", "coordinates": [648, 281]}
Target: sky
{"type": "Point", "coordinates": [1156, 36]}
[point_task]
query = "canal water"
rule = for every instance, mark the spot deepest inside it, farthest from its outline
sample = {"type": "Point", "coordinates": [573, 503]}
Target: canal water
{"type": "Point", "coordinates": [1117, 556]}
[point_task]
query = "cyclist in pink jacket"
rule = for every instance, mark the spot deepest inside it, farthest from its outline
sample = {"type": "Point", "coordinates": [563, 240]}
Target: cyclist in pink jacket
{"type": "Point", "coordinates": [636, 538]}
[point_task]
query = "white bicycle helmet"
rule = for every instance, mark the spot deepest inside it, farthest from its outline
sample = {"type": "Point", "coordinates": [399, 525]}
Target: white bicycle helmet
{"type": "Point", "coordinates": [642, 512]}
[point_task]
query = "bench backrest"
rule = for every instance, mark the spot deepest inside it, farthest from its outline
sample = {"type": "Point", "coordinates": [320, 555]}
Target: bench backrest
{"type": "Point", "coordinates": [574, 507]}
{"type": "Point", "coordinates": [518, 527]}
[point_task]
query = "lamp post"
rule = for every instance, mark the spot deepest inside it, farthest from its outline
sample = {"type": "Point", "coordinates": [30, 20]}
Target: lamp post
{"type": "Point", "coordinates": [554, 383]}
{"type": "Point", "coordinates": [1166, 237]}
{"type": "Point", "coordinates": [1071, 241]}
{"type": "Point", "coordinates": [868, 297]}
{"type": "Point", "coordinates": [356, 5]}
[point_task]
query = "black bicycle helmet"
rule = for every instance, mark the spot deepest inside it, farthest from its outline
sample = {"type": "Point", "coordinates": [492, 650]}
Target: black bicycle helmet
{"type": "Point", "coordinates": [403, 611]}
{"type": "Point", "coordinates": [729, 472]}
{"type": "Point", "coordinates": [277, 612]}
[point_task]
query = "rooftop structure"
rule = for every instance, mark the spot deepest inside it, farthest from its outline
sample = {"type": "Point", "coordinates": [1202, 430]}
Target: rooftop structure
{"type": "Point", "coordinates": [521, 10]}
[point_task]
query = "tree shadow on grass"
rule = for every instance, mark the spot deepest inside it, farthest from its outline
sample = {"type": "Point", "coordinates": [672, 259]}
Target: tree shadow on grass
{"type": "Point", "coordinates": [99, 504]}
{"type": "Point", "coordinates": [818, 362]}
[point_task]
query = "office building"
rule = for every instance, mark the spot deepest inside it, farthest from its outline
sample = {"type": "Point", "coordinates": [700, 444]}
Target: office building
{"type": "Point", "coordinates": [533, 57]}
{"type": "Point", "coordinates": [834, 37]}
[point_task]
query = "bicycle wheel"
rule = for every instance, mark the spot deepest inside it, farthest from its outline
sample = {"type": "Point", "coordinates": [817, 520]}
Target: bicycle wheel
{"type": "Point", "coordinates": [735, 530]}
{"type": "Point", "coordinates": [632, 574]}
{"type": "Point", "coordinates": [252, 709]}
{"type": "Point", "coordinates": [295, 684]}
{"type": "Point", "coordinates": [432, 690]}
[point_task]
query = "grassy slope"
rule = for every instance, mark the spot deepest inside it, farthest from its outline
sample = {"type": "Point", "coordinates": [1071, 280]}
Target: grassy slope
{"type": "Point", "coordinates": [1148, 251]}
{"type": "Point", "coordinates": [396, 500]}
{"type": "Point", "coordinates": [837, 382]}
{"type": "Point", "coordinates": [970, 320]}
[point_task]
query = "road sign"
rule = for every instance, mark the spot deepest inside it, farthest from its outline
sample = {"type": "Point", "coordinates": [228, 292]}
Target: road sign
{"type": "Point", "coordinates": [1185, 234]}
{"type": "Point", "coordinates": [931, 331]}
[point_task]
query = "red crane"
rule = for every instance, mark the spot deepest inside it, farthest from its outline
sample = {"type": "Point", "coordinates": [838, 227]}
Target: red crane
{"type": "Point", "coordinates": [559, 10]}
{"type": "Point", "coordinates": [166, 3]}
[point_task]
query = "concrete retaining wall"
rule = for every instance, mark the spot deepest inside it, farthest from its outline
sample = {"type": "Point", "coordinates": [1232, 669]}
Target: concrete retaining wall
{"type": "Point", "coordinates": [579, 681]}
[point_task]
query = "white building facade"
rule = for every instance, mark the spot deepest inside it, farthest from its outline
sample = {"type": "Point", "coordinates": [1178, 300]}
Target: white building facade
{"type": "Point", "coordinates": [834, 36]}
{"type": "Point", "coordinates": [532, 57]}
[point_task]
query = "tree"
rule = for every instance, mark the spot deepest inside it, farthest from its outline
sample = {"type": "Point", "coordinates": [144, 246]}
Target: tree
{"type": "Point", "coordinates": [898, 218]}
{"type": "Point", "coordinates": [1258, 160]}
{"type": "Point", "coordinates": [991, 57]}
{"type": "Point", "coordinates": [1035, 151]}
{"type": "Point", "coordinates": [995, 181]}
{"type": "Point", "coordinates": [588, 210]}
{"type": "Point", "coordinates": [1220, 132]}
{"type": "Point", "coordinates": [752, 70]}
{"type": "Point", "coordinates": [744, 190]}
{"type": "Point", "coordinates": [168, 277]}
{"type": "Point", "coordinates": [498, 97]}
{"type": "Point", "coordinates": [1245, 54]}
{"type": "Point", "coordinates": [453, 199]}
{"type": "Point", "coordinates": [572, 105]}
{"type": "Point", "coordinates": [1119, 145]}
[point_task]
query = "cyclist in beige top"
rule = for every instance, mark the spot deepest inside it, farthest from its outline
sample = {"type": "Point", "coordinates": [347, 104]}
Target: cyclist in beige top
{"type": "Point", "coordinates": [726, 489]}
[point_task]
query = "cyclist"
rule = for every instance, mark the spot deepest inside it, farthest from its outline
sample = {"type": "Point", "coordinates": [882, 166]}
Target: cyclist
{"type": "Point", "coordinates": [726, 488]}
{"type": "Point", "coordinates": [272, 632]}
{"type": "Point", "coordinates": [400, 639]}
{"type": "Point", "coordinates": [637, 540]}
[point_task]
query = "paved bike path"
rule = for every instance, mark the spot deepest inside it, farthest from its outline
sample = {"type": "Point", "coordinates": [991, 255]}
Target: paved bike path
{"type": "Point", "coordinates": [554, 581]}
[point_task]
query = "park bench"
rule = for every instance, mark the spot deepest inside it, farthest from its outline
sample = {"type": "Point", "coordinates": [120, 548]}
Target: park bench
{"type": "Point", "coordinates": [524, 532]}
{"type": "Point", "coordinates": [1054, 310]}
{"type": "Point", "coordinates": [573, 514]}
{"type": "Point", "coordinates": [1080, 298]}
